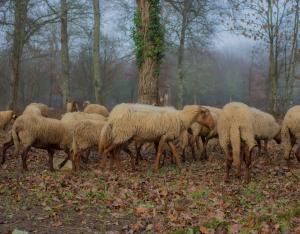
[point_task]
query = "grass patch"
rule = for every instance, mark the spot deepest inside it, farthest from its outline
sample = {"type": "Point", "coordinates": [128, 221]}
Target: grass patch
{"type": "Point", "coordinates": [200, 194]}
{"type": "Point", "coordinates": [214, 223]}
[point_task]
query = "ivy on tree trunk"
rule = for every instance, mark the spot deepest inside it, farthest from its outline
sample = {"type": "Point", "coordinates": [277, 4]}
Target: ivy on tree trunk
{"type": "Point", "coordinates": [149, 46]}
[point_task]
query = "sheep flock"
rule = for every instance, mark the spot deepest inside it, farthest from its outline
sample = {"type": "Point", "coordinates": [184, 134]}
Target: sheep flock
{"type": "Point", "coordinates": [131, 128]}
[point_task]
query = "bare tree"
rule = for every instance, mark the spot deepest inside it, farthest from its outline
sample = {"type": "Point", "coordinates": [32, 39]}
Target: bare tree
{"type": "Point", "coordinates": [20, 15]}
{"type": "Point", "coordinates": [265, 21]}
{"type": "Point", "coordinates": [65, 51]}
{"type": "Point", "coordinates": [96, 53]}
{"type": "Point", "coordinates": [191, 22]}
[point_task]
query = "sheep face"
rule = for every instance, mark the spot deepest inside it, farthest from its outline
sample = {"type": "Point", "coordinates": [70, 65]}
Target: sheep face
{"type": "Point", "coordinates": [84, 105]}
{"type": "Point", "coordinates": [205, 118]}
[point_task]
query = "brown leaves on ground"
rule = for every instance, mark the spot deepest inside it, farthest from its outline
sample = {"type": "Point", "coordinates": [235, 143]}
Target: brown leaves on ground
{"type": "Point", "coordinates": [192, 200]}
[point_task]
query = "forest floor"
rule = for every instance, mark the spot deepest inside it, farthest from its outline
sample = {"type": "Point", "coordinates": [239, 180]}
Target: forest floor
{"type": "Point", "coordinates": [193, 200]}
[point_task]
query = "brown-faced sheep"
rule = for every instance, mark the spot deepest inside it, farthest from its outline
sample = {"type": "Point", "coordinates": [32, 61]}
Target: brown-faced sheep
{"type": "Point", "coordinates": [6, 117]}
{"type": "Point", "coordinates": [86, 135]}
{"type": "Point", "coordinates": [96, 109]}
{"type": "Point", "coordinates": [40, 132]}
{"type": "Point", "coordinates": [72, 106]}
{"type": "Point", "coordinates": [236, 136]}
{"type": "Point", "coordinates": [148, 123]}
{"type": "Point", "coordinates": [265, 128]}
{"type": "Point", "coordinates": [205, 133]}
{"type": "Point", "coordinates": [290, 132]}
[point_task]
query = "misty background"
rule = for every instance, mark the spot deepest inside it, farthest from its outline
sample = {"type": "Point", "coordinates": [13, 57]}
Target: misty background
{"type": "Point", "coordinates": [220, 63]}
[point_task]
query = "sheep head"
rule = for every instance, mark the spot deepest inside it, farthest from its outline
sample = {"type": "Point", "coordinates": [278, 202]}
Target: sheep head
{"type": "Point", "coordinates": [189, 114]}
{"type": "Point", "coordinates": [84, 105]}
{"type": "Point", "coordinates": [205, 118]}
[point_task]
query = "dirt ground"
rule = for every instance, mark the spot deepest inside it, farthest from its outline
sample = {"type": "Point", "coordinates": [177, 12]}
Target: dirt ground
{"type": "Point", "coordinates": [193, 200]}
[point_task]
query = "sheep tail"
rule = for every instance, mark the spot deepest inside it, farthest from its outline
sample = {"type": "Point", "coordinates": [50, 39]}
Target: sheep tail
{"type": "Point", "coordinates": [16, 139]}
{"type": "Point", "coordinates": [105, 138]}
{"type": "Point", "coordinates": [235, 139]}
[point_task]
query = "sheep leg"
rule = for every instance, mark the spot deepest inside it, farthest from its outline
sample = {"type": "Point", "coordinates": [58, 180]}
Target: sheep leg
{"type": "Point", "coordinates": [259, 147]}
{"type": "Point", "coordinates": [61, 165]}
{"type": "Point", "coordinates": [115, 158]}
{"type": "Point", "coordinates": [6, 145]}
{"type": "Point", "coordinates": [159, 151]}
{"type": "Point", "coordinates": [76, 161]}
{"type": "Point", "coordinates": [247, 160]}
{"type": "Point", "coordinates": [85, 157]}
{"type": "Point", "coordinates": [138, 153]}
{"type": "Point", "coordinates": [242, 157]}
{"type": "Point", "coordinates": [24, 157]}
{"type": "Point", "coordinates": [132, 162]}
{"type": "Point", "coordinates": [266, 147]}
{"type": "Point", "coordinates": [175, 154]}
{"type": "Point", "coordinates": [204, 152]}
{"type": "Point", "coordinates": [192, 143]}
{"type": "Point", "coordinates": [50, 160]}
{"type": "Point", "coordinates": [105, 153]}
{"type": "Point", "coordinates": [229, 160]}
{"type": "Point", "coordinates": [197, 140]}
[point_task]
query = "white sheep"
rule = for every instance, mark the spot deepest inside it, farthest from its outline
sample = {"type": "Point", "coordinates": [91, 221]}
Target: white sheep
{"type": "Point", "coordinates": [236, 136]}
{"type": "Point", "coordinates": [96, 109]}
{"type": "Point", "coordinates": [290, 132]}
{"type": "Point", "coordinates": [86, 135]}
{"type": "Point", "coordinates": [40, 132]}
{"type": "Point", "coordinates": [36, 109]}
{"type": "Point", "coordinates": [265, 128]}
{"type": "Point", "coordinates": [6, 117]}
{"type": "Point", "coordinates": [148, 123]}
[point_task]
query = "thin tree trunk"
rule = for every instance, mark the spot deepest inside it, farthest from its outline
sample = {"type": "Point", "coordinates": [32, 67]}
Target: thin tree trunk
{"type": "Point", "coordinates": [65, 52]}
{"type": "Point", "coordinates": [180, 73]}
{"type": "Point", "coordinates": [17, 50]}
{"type": "Point", "coordinates": [290, 80]}
{"type": "Point", "coordinates": [96, 53]}
{"type": "Point", "coordinates": [148, 75]}
{"type": "Point", "coordinates": [272, 61]}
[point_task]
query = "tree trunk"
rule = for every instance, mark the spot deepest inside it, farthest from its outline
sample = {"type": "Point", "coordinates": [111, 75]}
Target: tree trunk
{"type": "Point", "coordinates": [180, 73]}
{"type": "Point", "coordinates": [17, 50]}
{"type": "Point", "coordinates": [291, 66]}
{"type": "Point", "coordinates": [96, 53]}
{"type": "Point", "coordinates": [65, 52]}
{"type": "Point", "coordinates": [149, 68]}
{"type": "Point", "coordinates": [273, 80]}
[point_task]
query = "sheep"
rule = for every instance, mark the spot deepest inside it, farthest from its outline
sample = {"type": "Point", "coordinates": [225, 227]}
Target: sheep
{"type": "Point", "coordinates": [71, 119]}
{"type": "Point", "coordinates": [290, 132]}
{"type": "Point", "coordinates": [236, 136]}
{"type": "Point", "coordinates": [206, 134]}
{"type": "Point", "coordinates": [37, 109]}
{"type": "Point", "coordinates": [148, 123]}
{"type": "Point", "coordinates": [72, 106]}
{"type": "Point", "coordinates": [40, 132]}
{"type": "Point", "coordinates": [96, 109]}
{"type": "Point", "coordinates": [85, 136]}
{"type": "Point", "coordinates": [6, 117]}
{"type": "Point", "coordinates": [265, 128]}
